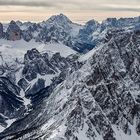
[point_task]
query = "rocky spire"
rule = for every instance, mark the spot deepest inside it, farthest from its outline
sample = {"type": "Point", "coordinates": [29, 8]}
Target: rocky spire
{"type": "Point", "coordinates": [13, 32]}
{"type": "Point", "coordinates": [1, 30]}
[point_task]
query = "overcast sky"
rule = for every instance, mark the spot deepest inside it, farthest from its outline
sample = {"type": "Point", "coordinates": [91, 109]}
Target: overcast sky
{"type": "Point", "coordinates": [77, 10]}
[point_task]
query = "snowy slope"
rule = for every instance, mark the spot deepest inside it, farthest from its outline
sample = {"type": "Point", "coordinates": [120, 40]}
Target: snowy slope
{"type": "Point", "coordinates": [23, 46]}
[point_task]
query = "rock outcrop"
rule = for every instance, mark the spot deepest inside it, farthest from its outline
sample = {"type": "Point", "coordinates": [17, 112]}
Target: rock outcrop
{"type": "Point", "coordinates": [13, 32]}
{"type": "Point", "coordinates": [11, 104]}
{"type": "Point", "coordinates": [1, 31]}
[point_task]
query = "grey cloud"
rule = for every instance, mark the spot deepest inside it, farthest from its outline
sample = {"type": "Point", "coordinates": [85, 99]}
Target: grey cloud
{"type": "Point", "coordinates": [43, 3]}
{"type": "Point", "coordinates": [75, 4]}
{"type": "Point", "coordinates": [117, 7]}
{"type": "Point", "coordinates": [25, 3]}
{"type": "Point", "coordinates": [122, 9]}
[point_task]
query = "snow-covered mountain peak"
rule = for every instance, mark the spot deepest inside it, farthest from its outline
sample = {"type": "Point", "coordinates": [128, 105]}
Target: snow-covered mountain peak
{"type": "Point", "coordinates": [110, 22]}
{"type": "Point", "coordinates": [13, 25]}
{"type": "Point", "coordinates": [60, 19]}
{"type": "Point", "coordinates": [92, 22]}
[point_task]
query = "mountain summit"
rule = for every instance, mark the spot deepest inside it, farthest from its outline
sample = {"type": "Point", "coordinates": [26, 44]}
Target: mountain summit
{"type": "Point", "coordinates": [60, 19]}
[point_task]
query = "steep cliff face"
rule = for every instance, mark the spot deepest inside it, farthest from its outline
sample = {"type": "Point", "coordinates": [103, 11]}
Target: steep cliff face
{"type": "Point", "coordinates": [1, 31]}
{"type": "Point", "coordinates": [13, 32]}
{"type": "Point", "coordinates": [11, 104]}
{"type": "Point", "coordinates": [100, 100]}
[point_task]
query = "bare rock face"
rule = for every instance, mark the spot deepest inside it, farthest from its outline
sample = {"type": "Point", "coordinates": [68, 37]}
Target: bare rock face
{"type": "Point", "coordinates": [27, 36]}
{"type": "Point", "coordinates": [13, 32]}
{"type": "Point", "coordinates": [35, 64]}
{"type": "Point", "coordinates": [1, 31]}
{"type": "Point", "coordinates": [11, 105]}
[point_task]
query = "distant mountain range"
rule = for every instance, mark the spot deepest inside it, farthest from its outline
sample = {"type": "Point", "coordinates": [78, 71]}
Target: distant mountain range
{"type": "Point", "coordinates": [63, 81]}
{"type": "Point", "coordinates": [59, 28]}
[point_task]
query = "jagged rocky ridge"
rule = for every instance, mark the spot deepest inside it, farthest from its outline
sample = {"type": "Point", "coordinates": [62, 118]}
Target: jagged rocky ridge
{"type": "Point", "coordinates": [98, 100]}
{"type": "Point", "coordinates": [21, 82]}
{"type": "Point", "coordinates": [59, 28]}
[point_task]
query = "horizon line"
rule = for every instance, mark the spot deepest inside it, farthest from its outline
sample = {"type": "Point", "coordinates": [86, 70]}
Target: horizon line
{"type": "Point", "coordinates": [80, 21]}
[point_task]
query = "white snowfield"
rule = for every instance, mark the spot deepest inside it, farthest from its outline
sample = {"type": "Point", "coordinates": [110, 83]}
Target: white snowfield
{"type": "Point", "coordinates": [19, 48]}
